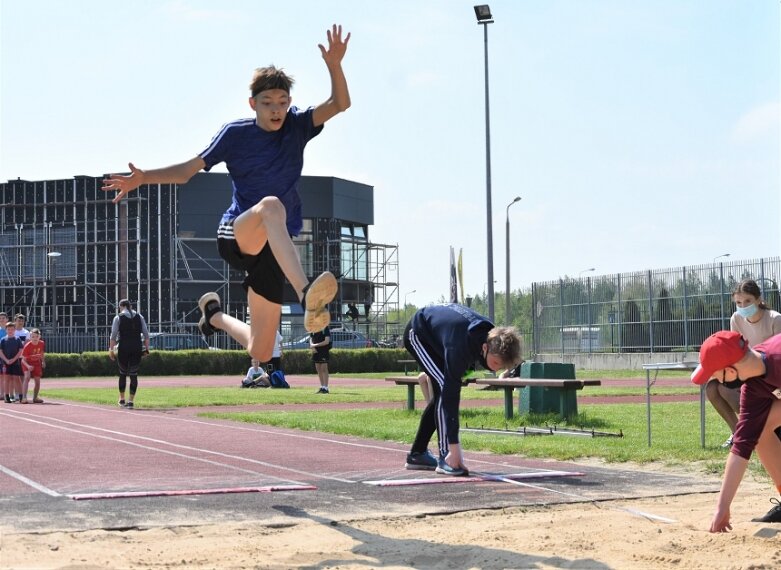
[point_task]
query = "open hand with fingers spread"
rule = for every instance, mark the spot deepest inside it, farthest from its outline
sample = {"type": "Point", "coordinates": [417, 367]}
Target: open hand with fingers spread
{"type": "Point", "coordinates": [336, 47]}
{"type": "Point", "coordinates": [122, 184]}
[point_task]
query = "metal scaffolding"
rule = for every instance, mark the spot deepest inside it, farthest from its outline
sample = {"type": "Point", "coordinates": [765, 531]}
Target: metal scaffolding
{"type": "Point", "coordinates": [144, 249]}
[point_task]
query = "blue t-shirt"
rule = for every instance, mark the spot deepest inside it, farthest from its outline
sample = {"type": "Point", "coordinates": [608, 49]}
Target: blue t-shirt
{"type": "Point", "coordinates": [10, 346]}
{"type": "Point", "coordinates": [263, 163]}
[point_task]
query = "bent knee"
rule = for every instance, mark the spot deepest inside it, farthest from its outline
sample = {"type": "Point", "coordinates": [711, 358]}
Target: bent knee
{"type": "Point", "coordinates": [712, 391]}
{"type": "Point", "coordinates": [258, 352]}
{"type": "Point", "coordinates": [271, 208]}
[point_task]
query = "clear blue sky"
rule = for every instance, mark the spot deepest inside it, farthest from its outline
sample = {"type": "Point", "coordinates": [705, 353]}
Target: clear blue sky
{"type": "Point", "coordinates": [639, 134]}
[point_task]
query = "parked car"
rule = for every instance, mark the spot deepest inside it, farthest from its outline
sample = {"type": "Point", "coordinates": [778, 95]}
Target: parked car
{"type": "Point", "coordinates": [339, 339]}
{"type": "Point", "coordinates": [177, 341]}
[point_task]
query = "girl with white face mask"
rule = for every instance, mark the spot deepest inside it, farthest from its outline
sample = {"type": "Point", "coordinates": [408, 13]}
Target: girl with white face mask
{"type": "Point", "coordinates": [757, 323]}
{"type": "Point", "coordinates": [752, 318]}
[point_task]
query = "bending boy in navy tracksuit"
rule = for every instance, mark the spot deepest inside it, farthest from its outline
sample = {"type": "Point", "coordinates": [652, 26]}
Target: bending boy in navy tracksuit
{"type": "Point", "coordinates": [446, 341]}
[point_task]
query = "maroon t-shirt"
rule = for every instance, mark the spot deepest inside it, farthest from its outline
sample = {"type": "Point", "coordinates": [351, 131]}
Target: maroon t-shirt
{"type": "Point", "coordinates": [756, 397]}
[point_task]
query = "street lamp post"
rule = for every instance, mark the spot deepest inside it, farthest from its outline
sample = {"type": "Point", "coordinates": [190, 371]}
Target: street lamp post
{"type": "Point", "coordinates": [721, 287]}
{"type": "Point", "coordinates": [405, 302]}
{"type": "Point", "coordinates": [586, 271]}
{"type": "Point", "coordinates": [53, 255]}
{"type": "Point", "coordinates": [507, 316]}
{"type": "Point", "coordinates": [483, 14]}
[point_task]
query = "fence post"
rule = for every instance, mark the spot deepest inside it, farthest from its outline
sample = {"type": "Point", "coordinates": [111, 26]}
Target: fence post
{"type": "Point", "coordinates": [620, 318]}
{"type": "Point", "coordinates": [588, 311]}
{"type": "Point", "coordinates": [561, 316]}
{"type": "Point", "coordinates": [650, 313]}
{"type": "Point", "coordinates": [685, 312]}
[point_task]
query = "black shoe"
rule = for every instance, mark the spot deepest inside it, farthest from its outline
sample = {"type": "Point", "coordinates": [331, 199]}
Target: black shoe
{"type": "Point", "coordinates": [209, 303]}
{"type": "Point", "coordinates": [7, 399]}
{"type": "Point", "coordinates": [421, 461]}
{"type": "Point", "coordinates": [129, 405]}
{"type": "Point", "coordinates": [121, 403]}
{"type": "Point", "coordinates": [322, 390]}
{"type": "Point", "coordinates": [773, 515]}
{"type": "Point", "coordinates": [444, 469]}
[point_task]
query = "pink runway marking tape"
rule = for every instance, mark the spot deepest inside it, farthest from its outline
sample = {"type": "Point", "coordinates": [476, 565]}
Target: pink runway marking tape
{"type": "Point", "coordinates": [134, 494]}
{"type": "Point", "coordinates": [481, 478]}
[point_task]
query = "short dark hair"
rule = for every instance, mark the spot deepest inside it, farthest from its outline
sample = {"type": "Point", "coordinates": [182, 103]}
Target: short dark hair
{"type": "Point", "coordinates": [20, 316]}
{"type": "Point", "coordinates": [270, 77]}
{"type": "Point", "coordinates": [125, 303]}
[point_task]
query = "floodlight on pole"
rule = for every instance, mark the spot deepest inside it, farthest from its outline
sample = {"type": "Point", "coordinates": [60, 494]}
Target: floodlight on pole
{"type": "Point", "coordinates": [53, 255]}
{"type": "Point", "coordinates": [507, 317]}
{"type": "Point", "coordinates": [720, 256]}
{"type": "Point", "coordinates": [484, 17]}
{"type": "Point", "coordinates": [405, 301]}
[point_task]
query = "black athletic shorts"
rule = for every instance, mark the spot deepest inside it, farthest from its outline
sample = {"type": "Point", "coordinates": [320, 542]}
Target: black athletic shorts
{"type": "Point", "coordinates": [14, 369]}
{"type": "Point", "coordinates": [321, 356]}
{"type": "Point", "coordinates": [263, 273]}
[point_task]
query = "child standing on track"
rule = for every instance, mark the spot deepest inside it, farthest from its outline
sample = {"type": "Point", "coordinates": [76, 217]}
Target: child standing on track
{"type": "Point", "coordinates": [446, 341]}
{"type": "Point", "coordinates": [265, 157]}
{"type": "Point", "coordinates": [34, 359]}
{"type": "Point", "coordinates": [320, 345]}
{"type": "Point", "coordinates": [11, 355]}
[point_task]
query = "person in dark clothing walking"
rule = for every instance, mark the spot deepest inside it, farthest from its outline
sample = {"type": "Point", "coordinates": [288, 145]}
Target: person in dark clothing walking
{"type": "Point", "coordinates": [446, 341]}
{"type": "Point", "coordinates": [320, 344]}
{"type": "Point", "coordinates": [127, 329]}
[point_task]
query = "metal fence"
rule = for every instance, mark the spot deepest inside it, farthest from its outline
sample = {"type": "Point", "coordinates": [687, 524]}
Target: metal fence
{"type": "Point", "coordinates": [62, 340]}
{"type": "Point", "coordinates": [661, 310]}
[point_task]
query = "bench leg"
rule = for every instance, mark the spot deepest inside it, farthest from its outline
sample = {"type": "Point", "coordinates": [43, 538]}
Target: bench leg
{"type": "Point", "coordinates": [508, 402]}
{"type": "Point", "coordinates": [568, 403]}
{"type": "Point", "coordinates": [410, 396]}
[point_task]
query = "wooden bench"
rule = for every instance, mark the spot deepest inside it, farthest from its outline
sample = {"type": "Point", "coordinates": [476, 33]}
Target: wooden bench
{"type": "Point", "coordinates": [566, 388]}
{"type": "Point", "coordinates": [407, 363]}
{"type": "Point", "coordinates": [410, 382]}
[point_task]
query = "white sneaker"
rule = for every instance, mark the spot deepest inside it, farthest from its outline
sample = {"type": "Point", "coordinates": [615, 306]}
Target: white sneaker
{"type": "Point", "coordinates": [317, 295]}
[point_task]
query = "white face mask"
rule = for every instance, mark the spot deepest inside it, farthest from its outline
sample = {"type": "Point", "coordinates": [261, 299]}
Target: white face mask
{"type": "Point", "coordinates": [747, 312]}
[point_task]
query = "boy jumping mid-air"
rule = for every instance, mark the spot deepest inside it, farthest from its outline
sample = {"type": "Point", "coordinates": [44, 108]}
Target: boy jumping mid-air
{"type": "Point", "coordinates": [265, 157]}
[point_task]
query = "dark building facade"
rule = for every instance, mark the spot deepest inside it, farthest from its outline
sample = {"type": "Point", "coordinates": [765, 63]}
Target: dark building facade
{"type": "Point", "coordinates": [68, 254]}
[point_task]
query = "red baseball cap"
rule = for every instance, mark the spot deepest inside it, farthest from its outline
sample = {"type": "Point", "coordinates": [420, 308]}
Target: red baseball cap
{"type": "Point", "coordinates": [719, 350]}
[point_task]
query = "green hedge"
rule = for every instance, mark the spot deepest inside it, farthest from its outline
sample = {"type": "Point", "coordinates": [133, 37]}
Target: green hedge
{"type": "Point", "coordinates": [219, 362]}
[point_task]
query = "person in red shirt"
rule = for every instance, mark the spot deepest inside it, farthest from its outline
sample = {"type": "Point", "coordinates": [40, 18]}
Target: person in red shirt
{"type": "Point", "coordinates": [34, 361]}
{"type": "Point", "coordinates": [726, 356]}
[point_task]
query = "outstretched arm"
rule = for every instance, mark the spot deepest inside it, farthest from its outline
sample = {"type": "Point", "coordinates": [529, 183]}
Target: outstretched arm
{"type": "Point", "coordinates": [174, 174]}
{"type": "Point", "coordinates": [340, 96]}
{"type": "Point", "coordinates": [733, 474]}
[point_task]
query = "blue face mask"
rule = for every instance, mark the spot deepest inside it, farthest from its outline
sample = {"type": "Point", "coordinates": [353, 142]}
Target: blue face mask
{"type": "Point", "coordinates": [747, 312]}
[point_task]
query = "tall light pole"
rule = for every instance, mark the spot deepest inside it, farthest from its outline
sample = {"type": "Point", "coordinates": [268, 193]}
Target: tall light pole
{"type": "Point", "coordinates": [720, 256]}
{"type": "Point", "coordinates": [405, 301]}
{"type": "Point", "coordinates": [507, 318]}
{"type": "Point", "coordinates": [483, 14]}
{"type": "Point", "coordinates": [589, 270]}
{"type": "Point", "coordinates": [53, 255]}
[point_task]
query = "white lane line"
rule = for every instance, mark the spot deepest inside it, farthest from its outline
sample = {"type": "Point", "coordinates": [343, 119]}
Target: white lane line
{"type": "Point", "coordinates": [279, 433]}
{"type": "Point", "coordinates": [303, 436]}
{"type": "Point", "coordinates": [18, 414]}
{"type": "Point", "coordinates": [22, 479]}
{"type": "Point", "coordinates": [149, 448]}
